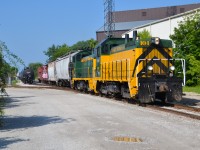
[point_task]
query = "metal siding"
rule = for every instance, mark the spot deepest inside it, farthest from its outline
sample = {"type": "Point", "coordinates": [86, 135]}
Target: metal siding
{"type": "Point", "coordinates": [51, 71]}
{"type": "Point", "coordinates": [62, 66]}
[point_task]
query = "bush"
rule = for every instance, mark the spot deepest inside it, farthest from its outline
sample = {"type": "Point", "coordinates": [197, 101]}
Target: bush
{"type": "Point", "coordinates": [145, 34]}
{"type": "Point", "coordinates": [14, 82]}
{"type": "Point", "coordinates": [186, 38]}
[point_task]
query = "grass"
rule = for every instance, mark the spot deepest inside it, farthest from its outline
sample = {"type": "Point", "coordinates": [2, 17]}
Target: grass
{"type": "Point", "coordinates": [195, 89]}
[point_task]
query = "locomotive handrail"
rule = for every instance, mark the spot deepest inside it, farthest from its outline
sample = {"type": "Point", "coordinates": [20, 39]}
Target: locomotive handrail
{"type": "Point", "coordinates": [178, 59]}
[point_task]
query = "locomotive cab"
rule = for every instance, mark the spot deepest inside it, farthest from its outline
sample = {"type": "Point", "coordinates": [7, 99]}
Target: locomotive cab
{"type": "Point", "coordinates": [104, 48]}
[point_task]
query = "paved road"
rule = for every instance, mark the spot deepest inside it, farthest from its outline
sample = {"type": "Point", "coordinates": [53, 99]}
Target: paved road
{"type": "Point", "coordinates": [44, 119]}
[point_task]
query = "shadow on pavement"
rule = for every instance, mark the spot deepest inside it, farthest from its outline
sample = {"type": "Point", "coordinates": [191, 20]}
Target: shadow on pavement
{"type": "Point", "coordinates": [4, 142]}
{"type": "Point", "coordinates": [21, 122]}
{"type": "Point", "coordinates": [10, 102]}
{"type": "Point", "coordinates": [190, 101]}
{"type": "Point", "coordinates": [21, 97]}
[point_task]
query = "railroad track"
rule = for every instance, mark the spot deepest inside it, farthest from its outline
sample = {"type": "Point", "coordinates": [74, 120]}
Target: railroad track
{"type": "Point", "coordinates": [45, 87]}
{"type": "Point", "coordinates": [185, 107]}
{"type": "Point", "coordinates": [176, 110]}
{"type": "Point", "coordinates": [158, 106]}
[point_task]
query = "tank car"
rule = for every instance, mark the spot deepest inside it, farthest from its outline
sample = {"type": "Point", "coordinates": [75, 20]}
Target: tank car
{"type": "Point", "coordinates": [143, 70]}
{"type": "Point", "coordinates": [27, 76]}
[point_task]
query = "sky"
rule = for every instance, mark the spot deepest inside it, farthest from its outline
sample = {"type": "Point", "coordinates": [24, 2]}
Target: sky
{"type": "Point", "coordinates": [30, 27]}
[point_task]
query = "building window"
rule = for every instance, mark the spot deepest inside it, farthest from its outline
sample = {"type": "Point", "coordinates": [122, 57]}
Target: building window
{"type": "Point", "coordinates": [182, 10]}
{"type": "Point", "coordinates": [144, 13]}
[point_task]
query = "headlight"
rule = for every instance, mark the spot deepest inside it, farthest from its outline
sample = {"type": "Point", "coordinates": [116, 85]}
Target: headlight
{"type": "Point", "coordinates": [156, 40]}
{"type": "Point", "coordinates": [172, 68]}
{"type": "Point", "coordinates": [150, 68]}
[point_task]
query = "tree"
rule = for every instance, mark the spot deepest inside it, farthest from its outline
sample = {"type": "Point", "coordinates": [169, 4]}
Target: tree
{"type": "Point", "coordinates": [84, 45]}
{"type": "Point", "coordinates": [35, 66]}
{"type": "Point", "coordinates": [54, 52]}
{"type": "Point", "coordinates": [6, 69]}
{"type": "Point", "coordinates": [145, 34]}
{"type": "Point", "coordinates": [61, 50]}
{"type": "Point", "coordinates": [187, 41]}
{"type": "Point", "coordinates": [50, 52]}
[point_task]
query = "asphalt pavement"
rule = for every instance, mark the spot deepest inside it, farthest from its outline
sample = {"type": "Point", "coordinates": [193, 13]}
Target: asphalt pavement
{"type": "Point", "coordinates": [48, 119]}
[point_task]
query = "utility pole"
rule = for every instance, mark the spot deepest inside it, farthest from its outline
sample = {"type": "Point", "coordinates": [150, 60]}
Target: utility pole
{"type": "Point", "coordinates": [109, 19]}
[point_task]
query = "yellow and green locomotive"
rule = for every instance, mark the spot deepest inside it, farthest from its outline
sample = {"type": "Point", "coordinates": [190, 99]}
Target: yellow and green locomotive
{"type": "Point", "coordinates": [131, 68]}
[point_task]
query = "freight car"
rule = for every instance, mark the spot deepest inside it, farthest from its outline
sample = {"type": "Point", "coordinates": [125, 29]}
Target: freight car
{"type": "Point", "coordinates": [51, 73]}
{"type": "Point", "coordinates": [43, 74]}
{"type": "Point", "coordinates": [27, 76]}
{"type": "Point", "coordinates": [60, 70]}
{"type": "Point", "coordinates": [131, 68]}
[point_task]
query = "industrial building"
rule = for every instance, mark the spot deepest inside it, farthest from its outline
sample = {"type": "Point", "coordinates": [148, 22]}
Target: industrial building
{"type": "Point", "coordinates": [162, 28]}
{"type": "Point", "coordinates": [130, 19]}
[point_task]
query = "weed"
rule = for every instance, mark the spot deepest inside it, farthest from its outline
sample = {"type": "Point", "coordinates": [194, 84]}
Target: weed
{"type": "Point", "coordinates": [195, 89]}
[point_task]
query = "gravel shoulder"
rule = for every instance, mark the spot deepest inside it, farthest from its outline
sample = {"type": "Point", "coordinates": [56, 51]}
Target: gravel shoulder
{"type": "Point", "coordinates": [47, 119]}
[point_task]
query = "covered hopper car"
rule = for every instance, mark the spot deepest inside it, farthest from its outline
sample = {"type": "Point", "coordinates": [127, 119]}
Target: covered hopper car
{"type": "Point", "coordinates": [60, 70]}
